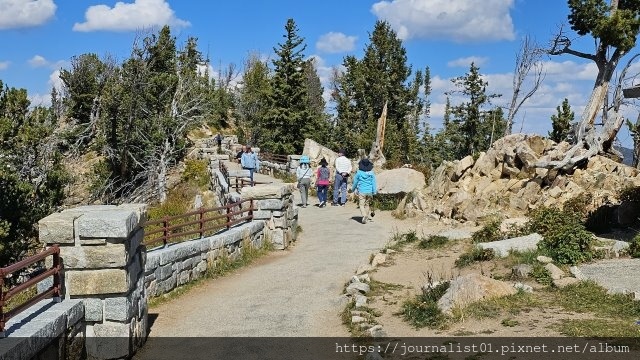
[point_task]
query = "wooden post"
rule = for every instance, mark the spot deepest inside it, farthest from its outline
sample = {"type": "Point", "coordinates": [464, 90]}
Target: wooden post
{"type": "Point", "coordinates": [165, 233]}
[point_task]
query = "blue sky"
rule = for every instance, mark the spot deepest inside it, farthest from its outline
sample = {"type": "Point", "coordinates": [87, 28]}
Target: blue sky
{"type": "Point", "coordinates": [40, 37]}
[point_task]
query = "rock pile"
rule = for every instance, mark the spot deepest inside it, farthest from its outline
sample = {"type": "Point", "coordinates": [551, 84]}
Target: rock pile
{"type": "Point", "coordinates": [504, 179]}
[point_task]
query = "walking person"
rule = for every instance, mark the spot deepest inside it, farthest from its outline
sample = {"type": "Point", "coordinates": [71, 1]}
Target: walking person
{"type": "Point", "coordinates": [218, 139]}
{"type": "Point", "coordinates": [364, 185]}
{"type": "Point", "coordinates": [239, 154]}
{"type": "Point", "coordinates": [343, 170]}
{"type": "Point", "coordinates": [303, 174]}
{"type": "Point", "coordinates": [323, 177]}
{"type": "Point", "coordinates": [249, 161]}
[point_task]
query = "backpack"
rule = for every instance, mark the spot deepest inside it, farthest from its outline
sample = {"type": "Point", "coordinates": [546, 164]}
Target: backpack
{"type": "Point", "coordinates": [324, 173]}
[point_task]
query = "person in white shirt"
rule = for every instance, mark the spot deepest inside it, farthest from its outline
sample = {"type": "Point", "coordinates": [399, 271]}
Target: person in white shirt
{"type": "Point", "coordinates": [343, 170]}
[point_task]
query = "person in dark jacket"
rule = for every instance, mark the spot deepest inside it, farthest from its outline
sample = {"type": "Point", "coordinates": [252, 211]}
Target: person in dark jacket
{"type": "Point", "coordinates": [364, 185]}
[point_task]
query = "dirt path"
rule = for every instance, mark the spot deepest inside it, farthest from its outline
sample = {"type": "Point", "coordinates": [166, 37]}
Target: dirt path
{"type": "Point", "coordinates": [297, 292]}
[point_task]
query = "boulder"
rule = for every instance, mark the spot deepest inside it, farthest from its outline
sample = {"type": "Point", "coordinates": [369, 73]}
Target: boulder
{"type": "Point", "coordinates": [316, 152]}
{"type": "Point", "coordinates": [470, 288]}
{"type": "Point", "coordinates": [502, 248]}
{"type": "Point", "coordinates": [402, 180]}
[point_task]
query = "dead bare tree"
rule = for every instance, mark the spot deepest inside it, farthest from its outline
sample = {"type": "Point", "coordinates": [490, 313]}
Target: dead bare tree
{"type": "Point", "coordinates": [614, 38]}
{"type": "Point", "coordinates": [594, 139]}
{"type": "Point", "coordinates": [527, 61]}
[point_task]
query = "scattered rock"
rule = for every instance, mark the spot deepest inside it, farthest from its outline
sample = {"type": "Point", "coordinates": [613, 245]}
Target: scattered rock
{"type": "Point", "coordinates": [470, 288]}
{"type": "Point", "coordinates": [364, 278]}
{"type": "Point", "coordinates": [502, 248]}
{"type": "Point", "coordinates": [364, 326]}
{"type": "Point", "coordinates": [523, 287]}
{"type": "Point", "coordinates": [376, 331]}
{"type": "Point", "coordinates": [555, 272]}
{"type": "Point", "coordinates": [521, 271]}
{"type": "Point", "coordinates": [354, 279]}
{"type": "Point", "coordinates": [544, 259]}
{"type": "Point", "coordinates": [564, 282]}
{"type": "Point", "coordinates": [357, 319]}
{"type": "Point", "coordinates": [378, 259]}
{"type": "Point", "coordinates": [358, 288]}
{"type": "Point", "coordinates": [389, 251]}
{"type": "Point", "coordinates": [364, 269]}
{"type": "Point", "coordinates": [361, 301]}
{"type": "Point", "coordinates": [575, 271]}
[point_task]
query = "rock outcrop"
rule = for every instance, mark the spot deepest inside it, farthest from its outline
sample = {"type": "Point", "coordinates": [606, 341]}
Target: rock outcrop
{"type": "Point", "coordinates": [504, 179]}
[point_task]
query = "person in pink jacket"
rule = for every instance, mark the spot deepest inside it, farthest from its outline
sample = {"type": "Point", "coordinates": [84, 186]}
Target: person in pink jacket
{"type": "Point", "coordinates": [322, 182]}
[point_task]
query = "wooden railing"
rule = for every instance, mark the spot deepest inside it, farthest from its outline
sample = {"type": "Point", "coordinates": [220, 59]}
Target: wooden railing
{"type": "Point", "coordinates": [274, 158]}
{"type": "Point", "coordinates": [183, 227]}
{"type": "Point", "coordinates": [224, 171]}
{"type": "Point", "coordinates": [12, 292]}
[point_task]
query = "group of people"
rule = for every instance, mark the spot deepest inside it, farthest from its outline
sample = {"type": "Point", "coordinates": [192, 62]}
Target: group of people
{"type": "Point", "coordinates": [363, 184]}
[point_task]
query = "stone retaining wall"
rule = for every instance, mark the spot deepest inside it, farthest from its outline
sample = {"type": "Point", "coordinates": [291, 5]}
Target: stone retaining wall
{"type": "Point", "coordinates": [46, 330]}
{"type": "Point", "coordinates": [274, 204]}
{"type": "Point", "coordinates": [177, 264]}
{"type": "Point", "coordinates": [103, 260]}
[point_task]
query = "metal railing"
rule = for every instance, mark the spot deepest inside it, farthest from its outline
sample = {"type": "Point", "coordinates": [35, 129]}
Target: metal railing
{"type": "Point", "coordinates": [12, 292]}
{"type": "Point", "coordinates": [274, 158]}
{"type": "Point", "coordinates": [197, 222]}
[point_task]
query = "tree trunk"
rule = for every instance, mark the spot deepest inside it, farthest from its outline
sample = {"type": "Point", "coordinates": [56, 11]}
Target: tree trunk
{"type": "Point", "coordinates": [162, 172]}
{"type": "Point", "coordinates": [375, 155]}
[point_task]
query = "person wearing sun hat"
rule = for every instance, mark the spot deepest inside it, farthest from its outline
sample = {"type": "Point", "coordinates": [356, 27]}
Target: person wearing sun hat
{"type": "Point", "coordinates": [364, 185]}
{"type": "Point", "coordinates": [303, 174]}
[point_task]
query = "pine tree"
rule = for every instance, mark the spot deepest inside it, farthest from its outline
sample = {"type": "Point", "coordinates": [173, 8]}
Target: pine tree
{"type": "Point", "coordinates": [561, 122]}
{"type": "Point", "coordinates": [362, 90]}
{"type": "Point", "coordinates": [283, 127]}
{"type": "Point", "coordinates": [318, 127]}
{"type": "Point", "coordinates": [474, 122]}
{"type": "Point", "coordinates": [253, 100]}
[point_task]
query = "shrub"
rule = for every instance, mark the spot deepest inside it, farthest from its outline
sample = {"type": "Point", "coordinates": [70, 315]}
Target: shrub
{"type": "Point", "coordinates": [196, 172]}
{"type": "Point", "coordinates": [634, 247]}
{"type": "Point", "coordinates": [541, 274]}
{"type": "Point", "coordinates": [578, 205]}
{"type": "Point", "coordinates": [490, 231]}
{"type": "Point", "coordinates": [474, 255]}
{"type": "Point", "coordinates": [387, 202]}
{"type": "Point", "coordinates": [423, 311]}
{"type": "Point", "coordinates": [433, 241]}
{"type": "Point", "coordinates": [565, 238]}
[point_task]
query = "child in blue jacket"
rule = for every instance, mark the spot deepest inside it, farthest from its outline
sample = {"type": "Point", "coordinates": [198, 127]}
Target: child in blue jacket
{"type": "Point", "coordinates": [364, 184]}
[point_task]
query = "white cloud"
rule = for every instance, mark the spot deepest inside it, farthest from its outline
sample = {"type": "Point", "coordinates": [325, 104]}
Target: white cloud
{"type": "Point", "coordinates": [38, 61]}
{"type": "Point", "coordinates": [466, 61]}
{"type": "Point", "coordinates": [336, 42]}
{"type": "Point", "coordinates": [40, 100]}
{"type": "Point", "coordinates": [4, 65]}
{"type": "Point", "coordinates": [459, 20]}
{"type": "Point", "coordinates": [25, 13]}
{"type": "Point", "coordinates": [55, 81]}
{"type": "Point", "coordinates": [129, 17]}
